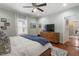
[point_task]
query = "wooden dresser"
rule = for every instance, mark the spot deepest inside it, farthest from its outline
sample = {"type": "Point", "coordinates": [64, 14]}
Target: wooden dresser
{"type": "Point", "coordinates": [51, 36]}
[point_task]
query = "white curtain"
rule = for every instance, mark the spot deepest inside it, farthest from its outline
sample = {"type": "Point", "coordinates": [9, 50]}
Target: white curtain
{"type": "Point", "coordinates": [21, 24]}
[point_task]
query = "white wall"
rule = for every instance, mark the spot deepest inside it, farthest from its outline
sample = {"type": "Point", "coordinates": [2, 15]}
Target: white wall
{"type": "Point", "coordinates": [59, 21]}
{"type": "Point", "coordinates": [30, 19]}
{"type": "Point", "coordinates": [11, 19]}
{"type": "Point", "coordinates": [44, 21]}
{"type": "Point", "coordinates": [33, 31]}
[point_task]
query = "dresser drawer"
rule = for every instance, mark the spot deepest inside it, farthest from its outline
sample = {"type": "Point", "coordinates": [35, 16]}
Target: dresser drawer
{"type": "Point", "coordinates": [50, 36]}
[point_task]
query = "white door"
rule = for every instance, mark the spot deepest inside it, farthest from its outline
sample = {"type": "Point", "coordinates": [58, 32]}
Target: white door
{"type": "Point", "coordinates": [74, 27]}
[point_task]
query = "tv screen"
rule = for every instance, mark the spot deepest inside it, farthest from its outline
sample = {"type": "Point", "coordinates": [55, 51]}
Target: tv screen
{"type": "Point", "coordinates": [49, 27]}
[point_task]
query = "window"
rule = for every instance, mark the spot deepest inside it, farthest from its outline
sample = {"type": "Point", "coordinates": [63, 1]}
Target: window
{"type": "Point", "coordinates": [22, 26]}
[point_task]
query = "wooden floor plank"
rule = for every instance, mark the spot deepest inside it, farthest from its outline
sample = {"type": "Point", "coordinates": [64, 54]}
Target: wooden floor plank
{"type": "Point", "coordinates": [71, 46]}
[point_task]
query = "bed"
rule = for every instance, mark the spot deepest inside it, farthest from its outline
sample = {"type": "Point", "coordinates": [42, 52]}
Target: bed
{"type": "Point", "coordinates": [21, 46]}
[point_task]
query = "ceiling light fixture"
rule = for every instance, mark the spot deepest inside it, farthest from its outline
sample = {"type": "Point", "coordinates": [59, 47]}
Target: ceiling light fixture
{"type": "Point", "coordinates": [34, 10]}
{"type": "Point", "coordinates": [64, 4]}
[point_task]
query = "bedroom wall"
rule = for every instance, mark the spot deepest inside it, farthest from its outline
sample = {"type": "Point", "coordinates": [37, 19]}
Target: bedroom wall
{"type": "Point", "coordinates": [11, 19]}
{"type": "Point", "coordinates": [59, 21]}
{"type": "Point", "coordinates": [34, 20]}
{"type": "Point", "coordinates": [30, 19]}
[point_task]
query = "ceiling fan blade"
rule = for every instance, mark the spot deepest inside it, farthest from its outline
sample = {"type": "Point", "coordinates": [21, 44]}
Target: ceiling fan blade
{"type": "Point", "coordinates": [40, 9]}
{"type": "Point", "coordinates": [27, 6]}
{"type": "Point", "coordinates": [44, 4]}
{"type": "Point", "coordinates": [34, 4]}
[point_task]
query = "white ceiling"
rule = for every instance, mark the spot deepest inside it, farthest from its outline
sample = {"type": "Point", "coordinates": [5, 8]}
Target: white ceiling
{"type": "Point", "coordinates": [49, 9]}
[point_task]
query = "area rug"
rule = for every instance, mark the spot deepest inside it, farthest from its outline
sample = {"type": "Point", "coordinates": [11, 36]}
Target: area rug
{"type": "Point", "coordinates": [58, 52]}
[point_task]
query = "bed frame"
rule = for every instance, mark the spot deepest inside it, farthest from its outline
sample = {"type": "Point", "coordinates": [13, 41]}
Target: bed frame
{"type": "Point", "coordinates": [46, 53]}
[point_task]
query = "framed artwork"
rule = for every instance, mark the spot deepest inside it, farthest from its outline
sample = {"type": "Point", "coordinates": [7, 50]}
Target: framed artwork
{"type": "Point", "coordinates": [39, 25]}
{"type": "Point", "coordinates": [32, 25]}
{"type": "Point", "coordinates": [6, 24]}
{"type": "Point", "coordinates": [3, 27]}
{"type": "Point", "coordinates": [3, 20]}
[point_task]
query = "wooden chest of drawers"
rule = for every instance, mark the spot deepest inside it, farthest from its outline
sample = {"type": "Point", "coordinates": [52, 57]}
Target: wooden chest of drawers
{"type": "Point", "coordinates": [51, 36]}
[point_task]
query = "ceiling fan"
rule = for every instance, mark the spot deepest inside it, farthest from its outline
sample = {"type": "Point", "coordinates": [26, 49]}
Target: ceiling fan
{"type": "Point", "coordinates": [36, 6]}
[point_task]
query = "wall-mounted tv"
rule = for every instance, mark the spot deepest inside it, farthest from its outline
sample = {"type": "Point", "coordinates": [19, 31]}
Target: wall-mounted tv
{"type": "Point", "coordinates": [50, 27]}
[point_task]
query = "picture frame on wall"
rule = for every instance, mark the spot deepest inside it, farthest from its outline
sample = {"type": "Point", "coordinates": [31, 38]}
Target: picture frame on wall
{"type": "Point", "coordinates": [6, 24]}
{"type": "Point", "coordinates": [3, 20]}
{"type": "Point", "coordinates": [39, 25]}
{"type": "Point", "coordinates": [32, 25]}
{"type": "Point", "coordinates": [3, 27]}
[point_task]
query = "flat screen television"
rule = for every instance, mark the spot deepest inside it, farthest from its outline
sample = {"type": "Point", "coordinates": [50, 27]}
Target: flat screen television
{"type": "Point", "coordinates": [49, 27]}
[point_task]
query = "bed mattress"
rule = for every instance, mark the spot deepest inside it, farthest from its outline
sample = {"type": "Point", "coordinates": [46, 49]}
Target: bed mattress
{"type": "Point", "coordinates": [24, 47]}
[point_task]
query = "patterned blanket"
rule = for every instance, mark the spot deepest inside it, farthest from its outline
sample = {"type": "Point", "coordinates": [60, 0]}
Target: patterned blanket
{"type": "Point", "coordinates": [38, 39]}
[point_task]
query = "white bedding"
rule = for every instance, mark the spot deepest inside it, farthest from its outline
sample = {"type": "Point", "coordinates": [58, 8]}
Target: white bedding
{"type": "Point", "coordinates": [23, 47]}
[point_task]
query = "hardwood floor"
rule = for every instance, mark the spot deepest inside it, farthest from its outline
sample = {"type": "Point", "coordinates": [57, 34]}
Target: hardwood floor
{"type": "Point", "coordinates": [59, 45]}
{"type": "Point", "coordinates": [72, 46]}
